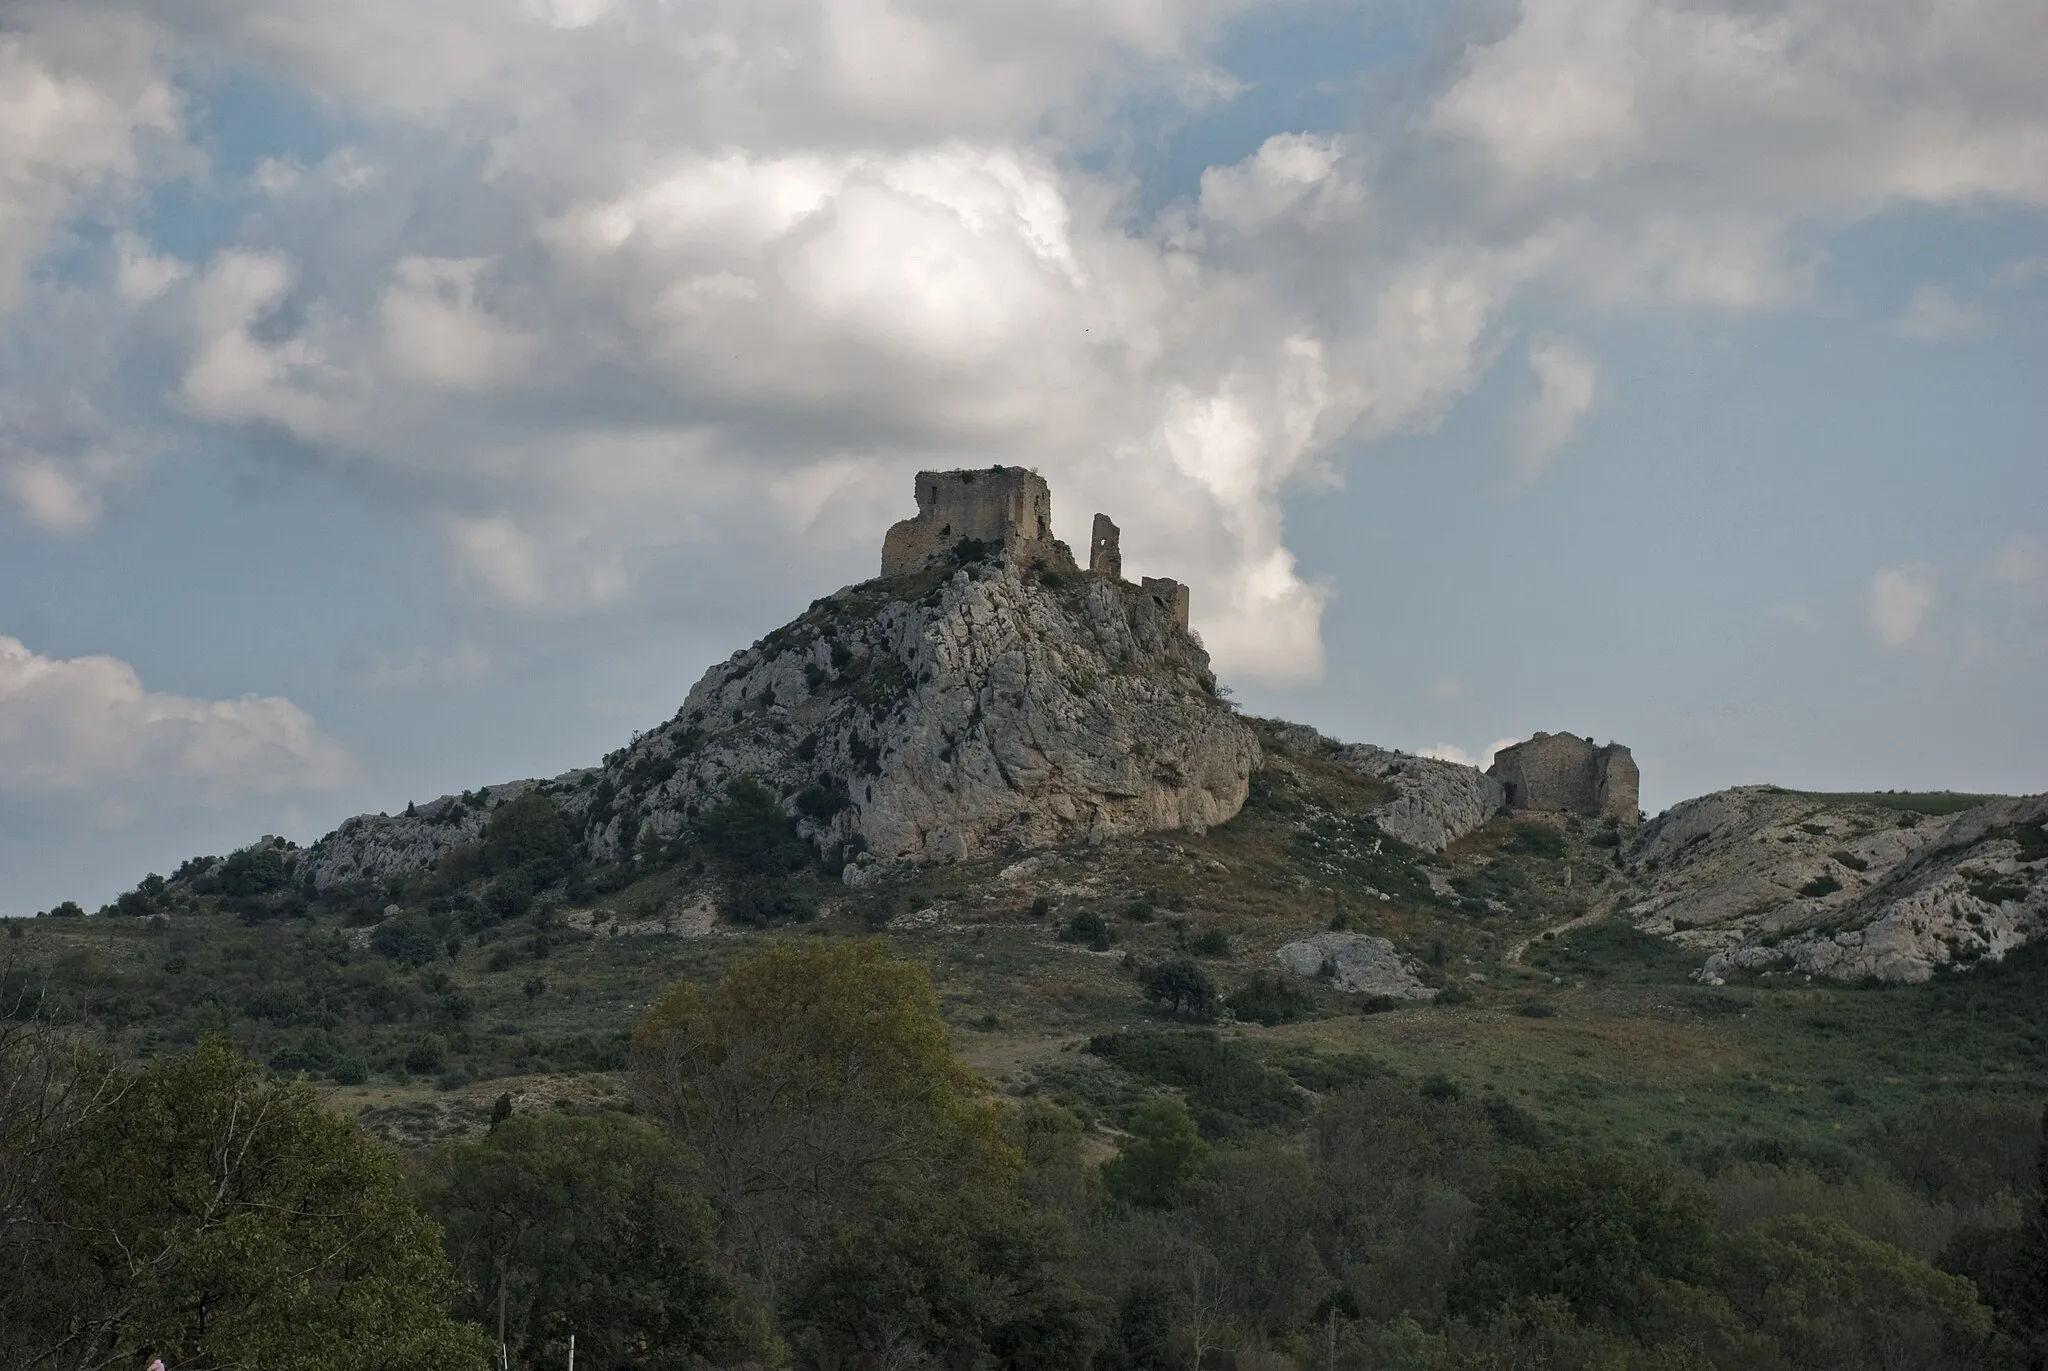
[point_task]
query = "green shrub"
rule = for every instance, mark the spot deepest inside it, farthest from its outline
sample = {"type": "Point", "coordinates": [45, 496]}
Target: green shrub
{"type": "Point", "coordinates": [1536, 840]}
{"type": "Point", "coordinates": [1183, 987]}
{"type": "Point", "coordinates": [1211, 942]}
{"type": "Point", "coordinates": [1821, 885]}
{"type": "Point", "coordinates": [1086, 927]}
{"type": "Point", "coordinates": [1271, 997]}
{"type": "Point", "coordinates": [1228, 1089]}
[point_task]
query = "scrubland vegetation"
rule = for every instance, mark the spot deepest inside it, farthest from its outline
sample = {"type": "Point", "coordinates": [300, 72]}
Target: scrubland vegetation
{"type": "Point", "coordinates": [1065, 1115]}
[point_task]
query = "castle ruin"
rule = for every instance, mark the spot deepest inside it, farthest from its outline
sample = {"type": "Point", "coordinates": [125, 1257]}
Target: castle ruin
{"type": "Point", "coordinates": [1007, 508]}
{"type": "Point", "coordinates": [1562, 773]}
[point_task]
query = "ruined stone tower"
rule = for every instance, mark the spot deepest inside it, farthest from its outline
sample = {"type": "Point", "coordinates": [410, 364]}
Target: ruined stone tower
{"type": "Point", "coordinates": [1006, 507]}
{"type": "Point", "coordinates": [1561, 773]}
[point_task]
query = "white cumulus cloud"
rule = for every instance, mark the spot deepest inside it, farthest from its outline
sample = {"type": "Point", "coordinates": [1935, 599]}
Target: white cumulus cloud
{"type": "Point", "coordinates": [85, 729]}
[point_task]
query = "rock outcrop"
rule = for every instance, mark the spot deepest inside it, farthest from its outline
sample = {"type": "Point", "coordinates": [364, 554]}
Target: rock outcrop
{"type": "Point", "coordinates": [977, 711]}
{"type": "Point", "coordinates": [1762, 879]}
{"type": "Point", "coordinates": [1434, 804]}
{"type": "Point", "coordinates": [372, 847]}
{"type": "Point", "coordinates": [1356, 963]}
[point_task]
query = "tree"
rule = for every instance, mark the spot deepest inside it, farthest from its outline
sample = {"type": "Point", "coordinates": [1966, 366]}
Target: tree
{"type": "Point", "coordinates": [528, 834]}
{"type": "Point", "coordinates": [584, 1225]}
{"type": "Point", "coordinates": [1184, 986]}
{"type": "Point", "coordinates": [1600, 1231]}
{"type": "Point", "coordinates": [754, 846]}
{"type": "Point", "coordinates": [1162, 1155]}
{"type": "Point", "coordinates": [952, 1284]}
{"type": "Point", "coordinates": [1838, 1301]}
{"type": "Point", "coordinates": [2028, 1310]}
{"type": "Point", "coordinates": [815, 1082]}
{"type": "Point", "coordinates": [249, 1228]}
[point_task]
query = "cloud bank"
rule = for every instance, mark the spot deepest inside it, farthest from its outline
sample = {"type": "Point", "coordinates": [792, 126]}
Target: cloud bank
{"type": "Point", "coordinates": [85, 730]}
{"type": "Point", "coordinates": [601, 289]}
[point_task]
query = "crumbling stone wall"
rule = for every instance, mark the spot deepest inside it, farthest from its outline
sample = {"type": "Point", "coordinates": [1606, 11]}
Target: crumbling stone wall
{"type": "Point", "coordinates": [1169, 595]}
{"type": "Point", "coordinates": [1562, 773]}
{"type": "Point", "coordinates": [1010, 507]}
{"type": "Point", "coordinates": [1105, 549]}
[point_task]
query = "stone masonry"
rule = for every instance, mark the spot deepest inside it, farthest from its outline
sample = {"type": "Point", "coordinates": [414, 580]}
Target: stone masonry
{"type": "Point", "coordinates": [1009, 507]}
{"type": "Point", "coordinates": [1105, 549]}
{"type": "Point", "coordinates": [1562, 773]}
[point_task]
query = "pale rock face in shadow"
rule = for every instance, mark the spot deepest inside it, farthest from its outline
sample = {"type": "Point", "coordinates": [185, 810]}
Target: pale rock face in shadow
{"type": "Point", "coordinates": [1356, 963]}
{"type": "Point", "coordinates": [1733, 872]}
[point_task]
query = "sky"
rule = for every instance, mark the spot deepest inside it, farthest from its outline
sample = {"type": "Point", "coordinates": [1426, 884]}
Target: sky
{"type": "Point", "coordinates": [401, 396]}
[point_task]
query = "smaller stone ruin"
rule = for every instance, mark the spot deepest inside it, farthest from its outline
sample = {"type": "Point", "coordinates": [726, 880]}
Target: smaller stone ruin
{"type": "Point", "coordinates": [1561, 773]}
{"type": "Point", "coordinates": [1008, 508]}
{"type": "Point", "coordinates": [1105, 549]}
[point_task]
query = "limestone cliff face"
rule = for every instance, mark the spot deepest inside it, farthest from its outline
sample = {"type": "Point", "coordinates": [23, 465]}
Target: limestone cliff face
{"type": "Point", "coordinates": [1762, 879]}
{"type": "Point", "coordinates": [923, 718]}
{"type": "Point", "coordinates": [962, 713]}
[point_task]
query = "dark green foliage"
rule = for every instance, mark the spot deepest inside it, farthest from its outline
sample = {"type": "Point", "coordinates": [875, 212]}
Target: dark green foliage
{"type": "Point", "coordinates": [527, 834]}
{"type": "Point", "coordinates": [755, 849]}
{"type": "Point", "coordinates": [1535, 840]}
{"type": "Point", "coordinates": [1821, 885]}
{"type": "Point", "coordinates": [1139, 1339]}
{"type": "Point", "coordinates": [409, 939]}
{"type": "Point", "coordinates": [1835, 1300]}
{"type": "Point", "coordinates": [1159, 1160]}
{"type": "Point", "coordinates": [1964, 1151]}
{"type": "Point", "coordinates": [1229, 1090]}
{"type": "Point", "coordinates": [1850, 860]}
{"type": "Point", "coordinates": [196, 1211]}
{"type": "Point", "coordinates": [1086, 927]}
{"type": "Point", "coordinates": [1603, 1232]}
{"type": "Point", "coordinates": [1212, 942]}
{"type": "Point", "coordinates": [2032, 839]}
{"type": "Point", "coordinates": [747, 834]}
{"type": "Point", "coordinates": [1271, 997]}
{"type": "Point", "coordinates": [947, 1284]}
{"type": "Point", "coordinates": [66, 909]}
{"type": "Point", "coordinates": [1182, 987]}
{"type": "Point", "coordinates": [1909, 802]}
{"type": "Point", "coordinates": [823, 799]}
{"type": "Point", "coordinates": [1536, 1009]}
{"type": "Point", "coordinates": [591, 1228]}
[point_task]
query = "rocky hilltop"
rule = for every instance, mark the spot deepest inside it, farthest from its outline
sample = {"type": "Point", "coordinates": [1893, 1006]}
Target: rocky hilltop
{"type": "Point", "coordinates": [1847, 887]}
{"type": "Point", "coordinates": [986, 697]}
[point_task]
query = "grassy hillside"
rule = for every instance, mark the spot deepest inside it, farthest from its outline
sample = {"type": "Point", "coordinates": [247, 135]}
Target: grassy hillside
{"type": "Point", "coordinates": [1563, 1020]}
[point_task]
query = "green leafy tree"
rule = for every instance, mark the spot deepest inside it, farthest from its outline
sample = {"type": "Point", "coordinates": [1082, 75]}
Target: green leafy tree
{"type": "Point", "coordinates": [1162, 1156]}
{"type": "Point", "coordinates": [1835, 1300]}
{"type": "Point", "coordinates": [248, 1227]}
{"type": "Point", "coordinates": [754, 847]}
{"type": "Point", "coordinates": [948, 1285]}
{"type": "Point", "coordinates": [2027, 1310]}
{"type": "Point", "coordinates": [816, 1082]}
{"type": "Point", "coordinates": [1182, 986]}
{"type": "Point", "coordinates": [584, 1225]}
{"type": "Point", "coordinates": [528, 834]}
{"type": "Point", "coordinates": [1602, 1232]}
